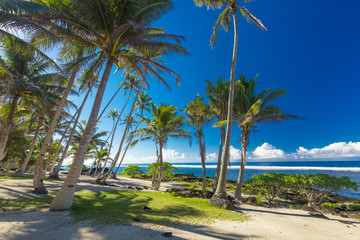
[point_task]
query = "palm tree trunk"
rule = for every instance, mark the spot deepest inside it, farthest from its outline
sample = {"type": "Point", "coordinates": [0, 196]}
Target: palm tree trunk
{"type": "Point", "coordinates": [123, 138]}
{"type": "Point", "coordinates": [240, 180]}
{"type": "Point", "coordinates": [64, 198]}
{"type": "Point", "coordinates": [220, 190]}
{"type": "Point", "coordinates": [38, 183]}
{"type": "Point", "coordinates": [7, 127]}
{"type": "Point", "coordinates": [53, 162]}
{"type": "Point", "coordinates": [108, 103]}
{"type": "Point", "coordinates": [202, 156]}
{"type": "Point", "coordinates": [21, 170]}
{"type": "Point", "coordinates": [222, 138]}
{"type": "Point", "coordinates": [55, 173]}
{"type": "Point", "coordinates": [112, 138]}
{"type": "Point", "coordinates": [157, 185]}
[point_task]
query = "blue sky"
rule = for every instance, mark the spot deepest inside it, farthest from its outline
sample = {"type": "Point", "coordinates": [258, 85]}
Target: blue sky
{"type": "Point", "coordinates": [311, 49]}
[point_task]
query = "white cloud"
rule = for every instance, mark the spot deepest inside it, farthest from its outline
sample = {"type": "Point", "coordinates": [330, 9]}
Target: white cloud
{"type": "Point", "coordinates": [235, 153]}
{"type": "Point", "coordinates": [334, 150]}
{"type": "Point", "coordinates": [170, 155]}
{"type": "Point", "coordinates": [211, 156]}
{"type": "Point", "coordinates": [267, 151]}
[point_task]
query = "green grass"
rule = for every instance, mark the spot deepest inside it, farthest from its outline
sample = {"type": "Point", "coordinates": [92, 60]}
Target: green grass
{"type": "Point", "coordinates": [27, 176]}
{"type": "Point", "coordinates": [124, 206]}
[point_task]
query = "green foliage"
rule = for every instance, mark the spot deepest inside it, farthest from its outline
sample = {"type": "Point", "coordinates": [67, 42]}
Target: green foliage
{"type": "Point", "coordinates": [132, 170]}
{"type": "Point", "coordinates": [333, 205]}
{"type": "Point", "coordinates": [355, 206]}
{"type": "Point", "coordinates": [167, 168]}
{"type": "Point", "coordinates": [191, 187]}
{"type": "Point", "coordinates": [271, 184]}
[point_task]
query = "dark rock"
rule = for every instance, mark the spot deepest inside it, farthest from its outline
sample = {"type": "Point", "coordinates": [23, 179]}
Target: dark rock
{"type": "Point", "coordinates": [184, 175]}
{"type": "Point", "coordinates": [342, 208]}
{"type": "Point", "coordinates": [145, 187]}
{"type": "Point", "coordinates": [147, 208]}
{"type": "Point", "coordinates": [167, 234]}
{"type": "Point", "coordinates": [139, 188]}
{"type": "Point", "coordinates": [130, 187]}
{"type": "Point", "coordinates": [221, 202]}
{"type": "Point", "coordinates": [136, 220]}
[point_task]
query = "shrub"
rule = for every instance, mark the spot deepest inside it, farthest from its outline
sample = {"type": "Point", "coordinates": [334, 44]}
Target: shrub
{"type": "Point", "coordinates": [132, 170]}
{"type": "Point", "coordinates": [333, 205]}
{"type": "Point", "coordinates": [354, 207]}
{"type": "Point", "coordinates": [315, 187]}
{"type": "Point", "coordinates": [270, 184]}
{"type": "Point", "coordinates": [167, 168]}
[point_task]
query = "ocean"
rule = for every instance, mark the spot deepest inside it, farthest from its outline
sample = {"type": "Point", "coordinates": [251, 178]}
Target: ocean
{"type": "Point", "coordinates": [334, 168]}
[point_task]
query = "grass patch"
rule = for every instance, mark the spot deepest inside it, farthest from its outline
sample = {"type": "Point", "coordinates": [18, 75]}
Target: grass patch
{"type": "Point", "coordinates": [125, 206]}
{"type": "Point", "coordinates": [14, 177]}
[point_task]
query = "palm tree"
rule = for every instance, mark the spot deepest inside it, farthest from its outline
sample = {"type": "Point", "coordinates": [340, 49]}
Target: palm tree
{"type": "Point", "coordinates": [224, 20]}
{"type": "Point", "coordinates": [107, 28]}
{"type": "Point", "coordinates": [252, 110]}
{"type": "Point", "coordinates": [23, 75]}
{"type": "Point", "coordinates": [164, 124]}
{"type": "Point", "coordinates": [218, 97]}
{"type": "Point", "coordinates": [198, 115]}
{"type": "Point", "coordinates": [143, 103]}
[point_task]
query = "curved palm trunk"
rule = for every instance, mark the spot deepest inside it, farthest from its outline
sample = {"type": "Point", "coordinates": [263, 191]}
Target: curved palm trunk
{"type": "Point", "coordinates": [53, 162]}
{"type": "Point", "coordinates": [202, 156]}
{"type": "Point", "coordinates": [38, 182]}
{"type": "Point", "coordinates": [55, 173]}
{"type": "Point", "coordinates": [64, 198]}
{"type": "Point", "coordinates": [112, 138]}
{"type": "Point", "coordinates": [244, 144]}
{"type": "Point", "coordinates": [220, 190]}
{"type": "Point", "coordinates": [106, 175]}
{"type": "Point", "coordinates": [158, 183]}
{"type": "Point", "coordinates": [222, 138]}
{"type": "Point", "coordinates": [6, 130]}
{"type": "Point", "coordinates": [108, 104]}
{"type": "Point", "coordinates": [21, 170]}
{"type": "Point", "coordinates": [128, 145]}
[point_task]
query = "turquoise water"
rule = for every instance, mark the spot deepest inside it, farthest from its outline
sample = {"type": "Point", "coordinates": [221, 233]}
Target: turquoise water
{"type": "Point", "coordinates": [334, 168]}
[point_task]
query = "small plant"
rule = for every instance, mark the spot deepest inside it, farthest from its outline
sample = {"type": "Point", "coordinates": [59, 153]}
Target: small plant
{"type": "Point", "coordinates": [291, 207]}
{"type": "Point", "coordinates": [191, 187]}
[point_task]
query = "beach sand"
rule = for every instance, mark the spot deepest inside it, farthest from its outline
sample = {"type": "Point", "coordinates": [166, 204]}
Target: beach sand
{"type": "Point", "coordinates": [262, 223]}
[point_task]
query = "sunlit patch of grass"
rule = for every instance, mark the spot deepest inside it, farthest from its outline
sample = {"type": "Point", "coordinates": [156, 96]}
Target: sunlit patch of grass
{"type": "Point", "coordinates": [124, 207]}
{"type": "Point", "coordinates": [26, 204]}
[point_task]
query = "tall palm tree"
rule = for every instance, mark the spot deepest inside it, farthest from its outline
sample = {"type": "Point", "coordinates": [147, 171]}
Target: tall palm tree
{"type": "Point", "coordinates": [143, 104]}
{"type": "Point", "coordinates": [198, 115]}
{"type": "Point", "coordinates": [107, 28]}
{"type": "Point", "coordinates": [252, 110]}
{"type": "Point", "coordinates": [165, 123]}
{"type": "Point", "coordinates": [218, 96]}
{"type": "Point", "coordinates": [232, 9]}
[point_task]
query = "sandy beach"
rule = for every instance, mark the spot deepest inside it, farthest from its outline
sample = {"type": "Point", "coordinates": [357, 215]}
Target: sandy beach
{"type": "Point", "coordinates": [262, 223]}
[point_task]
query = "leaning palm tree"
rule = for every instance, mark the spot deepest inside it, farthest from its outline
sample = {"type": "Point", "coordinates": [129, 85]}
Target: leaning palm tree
{"type": "Point", "coordinates": [252, 110]}
{"type": "Point", "coordinates": [164, 124]}
{"type": "Point", "coordinates": [218, 96]}
{"type": "Point", "coordinates": [224, 20]}
{"type": "Point", "coordinates": [108, 28]}
{"type": "Point", "coordinates": [198, 115]}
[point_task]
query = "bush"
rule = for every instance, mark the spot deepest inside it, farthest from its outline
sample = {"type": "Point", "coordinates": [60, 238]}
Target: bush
{"type": "Point", "coordinates": [354, 207]}
{"type": "Point", "coordinates": [315, 187]}
{"type": "Point", "coordinates": [167, 168]}
{"type": "Point", "coordinates": [271, 184]}
{"type": "Point", "coordinates": [132, 170]}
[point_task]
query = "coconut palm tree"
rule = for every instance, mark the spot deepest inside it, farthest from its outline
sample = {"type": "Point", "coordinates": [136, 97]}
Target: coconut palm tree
{"type": "Point", "coordinates": [252, 110]}
{"type": "Point", "coordinates": [143, 104]}
{"type": "Point", "coordinates": [22, 75]}
{"type": "Point", "coordinates": [198, 115]}
{"type": "Point", "coordinates": [218, 96]}
{"type": "Point", "coordinates": [232, 9]}
{"type": "Point", "coordinates": [165, 123]}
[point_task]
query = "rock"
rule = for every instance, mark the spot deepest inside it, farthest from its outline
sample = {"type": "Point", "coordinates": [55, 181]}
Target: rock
{"type": "Point", "coordinates": [328, 209]}
{"type": "Point", "coordinates": [145, 187]}
{"type": "Point", "coordinates": [184, 175]}
{"type": "Point", "coordinates": [147, 208]}
{"type": "Point", "coordinates": [221, 202]}
{"type": "Point", "coordinates": [139, 188]}
{"type": "Point", "coordinates": [130, 187]}
{"type": "Point", "coordinates": [136, 220]}
{"type": "Point", "coordinates": [342, 208]}
{"type": "Point", "coordinates": [167, 234]}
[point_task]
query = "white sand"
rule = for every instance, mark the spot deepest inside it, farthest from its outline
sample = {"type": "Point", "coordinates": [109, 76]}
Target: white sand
{"type": "Point", "coordinates": [262, 223]}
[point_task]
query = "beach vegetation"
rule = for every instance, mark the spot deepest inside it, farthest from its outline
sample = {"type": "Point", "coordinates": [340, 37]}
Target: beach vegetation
{"type": "Point", "coordinates": [132, 170]}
